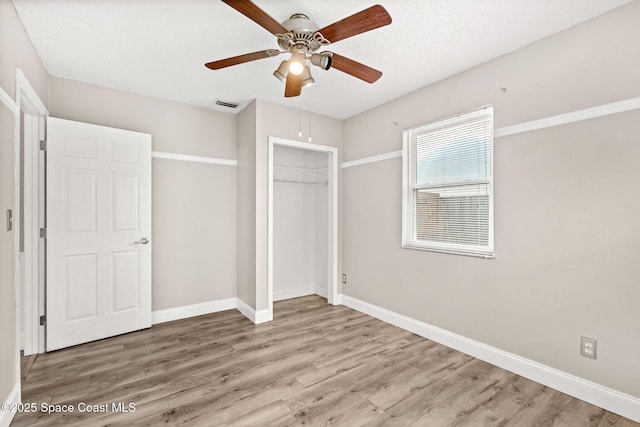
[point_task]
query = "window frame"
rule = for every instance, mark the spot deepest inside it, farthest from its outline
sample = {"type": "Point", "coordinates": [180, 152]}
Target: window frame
{"type": "Point", "coordinates": [409, 189]}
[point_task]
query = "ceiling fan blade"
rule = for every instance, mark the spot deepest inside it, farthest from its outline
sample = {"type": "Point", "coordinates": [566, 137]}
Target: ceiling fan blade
{"type": "Point", "coordinates": [354, 68]}
{"type": "Point", "coordinates": [240, 59]}
{"type": "Point", "coordinates": [293, 86]}
{"type": "Point", "coordinates": [257, 15]}
{"type": "Point", "coordinates": [368, 19]}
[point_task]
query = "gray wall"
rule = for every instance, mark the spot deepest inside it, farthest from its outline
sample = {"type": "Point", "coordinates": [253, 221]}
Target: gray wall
{"type": "Point", "coordinates": [566, 207]}
{"type": "Point", "coordinates": [246, 208]}
{"type": "Point", "coordinates": [194, 205]}
{"type": "Point", "coordinates": [16, 51]}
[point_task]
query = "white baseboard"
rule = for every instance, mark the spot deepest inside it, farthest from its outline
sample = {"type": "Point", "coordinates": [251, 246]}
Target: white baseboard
{"type": "Point", "coordinates": [263, 316]}
{"type": "Point", "coordinates": [318, 290]}
{"type": "Point", "coordinates": [248, 311]}
{"type": "Point", "coordinates": [186, 311]}
{"type": "Point", "coordinates": [338, 300]}
{"type": "Point", "coordinates": [293, 293]}
{"type": "Point", "coordinates": [299, 292]}
{"type": "Point", "coordinates": [13, 398]}
{"type": "Point", "coordinates": [257, 317]}
{"type": "Point", "coordinates": [596, 394]}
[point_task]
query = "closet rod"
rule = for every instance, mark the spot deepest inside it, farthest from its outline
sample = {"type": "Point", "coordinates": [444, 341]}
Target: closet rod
{"type": "Point", "coordinates": [293, 181]}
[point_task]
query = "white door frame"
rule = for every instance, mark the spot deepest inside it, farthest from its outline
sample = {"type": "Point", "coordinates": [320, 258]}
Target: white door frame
{"type": "Point", "coordinates": [14, 394]}
{"type": "Point", "coordinates": [35, 112]}
{"type": "Point", "coordinates": [332, 291]}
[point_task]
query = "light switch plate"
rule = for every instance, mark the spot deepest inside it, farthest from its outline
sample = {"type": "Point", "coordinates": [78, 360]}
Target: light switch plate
{"type": "Point", "coordinates": [9, 220]}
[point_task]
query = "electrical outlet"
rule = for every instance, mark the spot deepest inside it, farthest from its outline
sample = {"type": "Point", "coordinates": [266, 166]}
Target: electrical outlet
{"type": "Point", "coordinates": [588, 347]}
{"type": "Point", "coordinates": [344, 279]}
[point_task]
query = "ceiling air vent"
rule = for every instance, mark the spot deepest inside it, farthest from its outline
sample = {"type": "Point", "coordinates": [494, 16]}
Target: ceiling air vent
{"type": "Point", "coordinates": [228, 104]}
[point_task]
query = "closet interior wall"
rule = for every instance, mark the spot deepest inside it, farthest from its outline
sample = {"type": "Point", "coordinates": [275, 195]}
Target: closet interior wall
{"type": "Point", "coordinates": [300, 229]}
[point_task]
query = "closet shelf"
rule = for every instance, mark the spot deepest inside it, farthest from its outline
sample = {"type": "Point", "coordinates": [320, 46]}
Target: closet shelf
{"type": "Point", "coordinates": [294, 181]}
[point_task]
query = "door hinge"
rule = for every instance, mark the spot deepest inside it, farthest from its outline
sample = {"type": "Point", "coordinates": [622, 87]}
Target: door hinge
{"type": "Point", "coordinates": [43, 145]}
{"type": "Point", "coordinates": [43, 233]}
{"type": "Point", "coordinates": [43, 320]}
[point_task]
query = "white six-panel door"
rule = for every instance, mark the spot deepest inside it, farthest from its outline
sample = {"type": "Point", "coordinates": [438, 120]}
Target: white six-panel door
{"type": "Point", "coordinates": [98, 220]}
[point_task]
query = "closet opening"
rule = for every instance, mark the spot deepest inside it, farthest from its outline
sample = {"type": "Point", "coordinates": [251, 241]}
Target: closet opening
{"type": "Point", "coordinates": [303, 227]}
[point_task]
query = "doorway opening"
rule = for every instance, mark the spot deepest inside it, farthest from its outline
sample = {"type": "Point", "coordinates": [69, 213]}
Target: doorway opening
{"type": "Point", "coordinates": [303, 221]}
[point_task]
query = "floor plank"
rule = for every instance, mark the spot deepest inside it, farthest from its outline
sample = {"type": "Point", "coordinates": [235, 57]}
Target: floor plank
{"type": "Point", "coordinates": [315, 364]}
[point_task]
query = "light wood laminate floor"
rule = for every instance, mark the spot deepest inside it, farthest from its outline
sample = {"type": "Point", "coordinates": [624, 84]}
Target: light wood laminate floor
{"type": "Point", "coordinates": [315, 364]}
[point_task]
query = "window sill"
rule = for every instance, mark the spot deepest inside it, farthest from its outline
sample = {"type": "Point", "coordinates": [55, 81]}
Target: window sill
{"type": "Point", "coordinates": [485, 255]}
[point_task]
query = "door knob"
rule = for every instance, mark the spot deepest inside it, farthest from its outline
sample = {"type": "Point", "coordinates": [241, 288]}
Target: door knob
{"type": "Point", "coordinates": [142, 241]}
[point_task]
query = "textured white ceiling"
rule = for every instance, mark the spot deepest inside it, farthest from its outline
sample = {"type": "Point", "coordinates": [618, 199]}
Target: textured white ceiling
{"type": "Point", "coordinates": [159, 47]}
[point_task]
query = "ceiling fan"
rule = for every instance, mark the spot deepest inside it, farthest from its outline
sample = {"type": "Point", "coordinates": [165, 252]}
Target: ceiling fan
{"type": "Point", "coordinates": [300, 37]}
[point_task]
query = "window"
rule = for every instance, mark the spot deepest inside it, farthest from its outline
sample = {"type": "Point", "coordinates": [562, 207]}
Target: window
{"type": "Point", "coordinates": [448, 185]}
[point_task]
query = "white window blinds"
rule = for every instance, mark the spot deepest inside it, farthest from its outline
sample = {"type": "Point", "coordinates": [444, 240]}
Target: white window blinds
{"type": "Point", "coordinates": [448, 185]}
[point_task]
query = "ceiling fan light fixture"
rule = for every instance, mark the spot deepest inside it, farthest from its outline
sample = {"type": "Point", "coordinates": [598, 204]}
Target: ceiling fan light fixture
{"type": "Point", "coordinates": [296, 68]}
{"type": "Point", "coordinates": [307, 78]}
{"type": "Point", "coordinates": [282, 71]}
{"type": "Point", "coordinates": [300, 37]}
{"type": "Point", "coordinates": [296, 63]}
{"type": "Point", "coordinates": [322, 60]}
